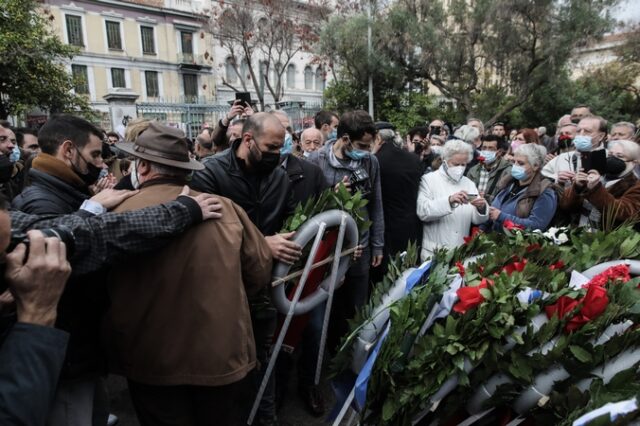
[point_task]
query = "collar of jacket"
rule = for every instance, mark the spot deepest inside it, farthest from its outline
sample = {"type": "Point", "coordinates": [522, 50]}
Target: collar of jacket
{"type": "Point", "coordinates": [622, 185]}
{"type": "Point", "coordinates": [164, 180]}
{"type": "Point", "coordinates": [50, 165]}
{"type": "Point", "coordinates": [498, 165]}
{"type": "Point", "coordinates": [293, 167]}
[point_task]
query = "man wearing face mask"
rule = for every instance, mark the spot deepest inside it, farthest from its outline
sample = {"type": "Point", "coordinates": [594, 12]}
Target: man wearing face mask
{"type": "Point", "coordinates": [608, 200]}
{"type": "Point", "coordinates": [249, 175]}
{"type": "Point", "coordinates": [8, 158]}
{"type": "Point", "coordinates": [591, 135]}
{"type": "Point", "coordinates": [348, 161]}
{"type": "Point", "coordinates": [71, 161]}
{"type": "Point", "coordinates": [327, 123]}
{"type": "Point", "coordinates": [491, 168]}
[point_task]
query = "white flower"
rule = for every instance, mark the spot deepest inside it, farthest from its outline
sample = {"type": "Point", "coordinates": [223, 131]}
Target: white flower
{"type": "Point", "coordinates": [561, 239]}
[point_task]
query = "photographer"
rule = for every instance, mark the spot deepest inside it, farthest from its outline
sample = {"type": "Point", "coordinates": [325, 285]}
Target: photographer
{"type": "Point", "coordinates": [32, 351]}
{"type": "Point", "coordinates": [348, 161]}
{"type": "Point", "coordinates": [220, 137]}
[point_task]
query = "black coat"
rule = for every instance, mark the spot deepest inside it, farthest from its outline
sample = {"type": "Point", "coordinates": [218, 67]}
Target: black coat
{"type": "Point", "coordinates": [49, 195]}
{"type": "Point", "coordinates": [400, 173]}
{"type": "Point", "coordinates": [84, 299]}
{"type": "Point", "coordinates": [267, 199]}
{"type": "Point", "coordinates": [307, 179]}
{"type": "Point", "coordinates": [31, 357]}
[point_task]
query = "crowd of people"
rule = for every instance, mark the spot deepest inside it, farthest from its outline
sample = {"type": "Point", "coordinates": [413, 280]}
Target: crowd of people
{"type": "Point", "coordinates": [156, 259]}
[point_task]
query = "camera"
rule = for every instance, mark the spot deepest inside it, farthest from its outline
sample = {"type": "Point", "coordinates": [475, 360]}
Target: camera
{"type": "Point", "coordinates": [360, 181]}
{"type": "Point", "coordinates": [60, 232]}
{"type": "Point", "coordinates": [435, 130]}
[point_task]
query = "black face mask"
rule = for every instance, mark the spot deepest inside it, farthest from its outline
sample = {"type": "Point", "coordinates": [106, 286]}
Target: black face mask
{"type": "Point", "coordinates": [6, 168]}
{"type": "Point", "coordinates": [265, 162]}
{"type": "Point", "coordinates": [92, 174]}
{"type": "Point", "coordinates": [615, 166]}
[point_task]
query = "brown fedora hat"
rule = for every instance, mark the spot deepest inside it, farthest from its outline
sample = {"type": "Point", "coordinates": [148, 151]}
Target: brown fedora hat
{"type": "Point", "coordinates": [164, 145]}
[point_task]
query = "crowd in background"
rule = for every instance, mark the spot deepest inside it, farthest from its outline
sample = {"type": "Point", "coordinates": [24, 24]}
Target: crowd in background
{"type": "Point", "coordinates": [191, 324]}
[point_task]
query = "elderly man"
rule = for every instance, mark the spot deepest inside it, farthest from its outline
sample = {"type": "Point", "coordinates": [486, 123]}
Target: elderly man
{"type": "Point", "coordinates": [179, 326]}
{"type": "Point", "coordinates": [591, 134]}
{"type": "Point", "coordinates": [477, 123]}
{"type": "Point", "coordinates": [311, 140]}
{"type": "Point", "coordinates": [7, 143]}
{"type": "Point", "coordinates": [400, 173]}
{"type": "Point", "coordinates": [623, 131]}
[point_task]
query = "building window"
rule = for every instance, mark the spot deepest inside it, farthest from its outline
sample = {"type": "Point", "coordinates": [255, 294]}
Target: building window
{"type": "Point", "coordinates": [114, 41]}
{"type": "Point", "coordinates": [80, 79]}
{"type": "Point", "coordinates": [230, 71]}
{"type": "Point", "coordinates": [190, 83]}
{"type": "Point", "coordinates": [291, 76]}
{"type": "Point", "coordinates": [117, 77]}
{"type": "Point", "coordinates": [151, 80]}
{"type": "Point", "coordinates": [308, 78]}
{"type": "Point", "coordinates": [74, 30]}
{"type": "Point", "coordinates": [186, 42]}
{"type": "Point", "coordinates": [148, 42]}
{"type": "Point", "coordinates": [319, 79]}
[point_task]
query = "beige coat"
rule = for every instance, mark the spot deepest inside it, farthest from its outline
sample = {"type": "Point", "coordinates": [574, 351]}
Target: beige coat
{"type": "Point", "coordinates": [179, 316]}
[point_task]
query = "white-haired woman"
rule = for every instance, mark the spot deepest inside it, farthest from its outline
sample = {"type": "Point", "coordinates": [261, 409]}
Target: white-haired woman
{"type": "Point", "coordinates": [526, 198]}
{"type": "Point", "coordinates": [610, 199]}
{"type": "Point", "coordinates": [448, 202]}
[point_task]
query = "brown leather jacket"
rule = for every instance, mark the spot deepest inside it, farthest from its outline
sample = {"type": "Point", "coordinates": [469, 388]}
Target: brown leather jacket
{"type": "Point", "coordinates": [622, 199]}
{"type": "Point", "coordinates": [180, 316]}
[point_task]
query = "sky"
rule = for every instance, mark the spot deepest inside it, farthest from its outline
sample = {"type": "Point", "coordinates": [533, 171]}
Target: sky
{"type": "Point", "coordinates": [628, 10]}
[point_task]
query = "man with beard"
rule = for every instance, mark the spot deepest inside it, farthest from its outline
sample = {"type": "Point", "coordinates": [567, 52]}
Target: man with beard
{"type": "Point", "coordinates": [249, 175]}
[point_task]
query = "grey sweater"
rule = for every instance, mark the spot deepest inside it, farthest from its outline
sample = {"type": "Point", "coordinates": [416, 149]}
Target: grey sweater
{"type": "Point", "coordinates": [334, 170]}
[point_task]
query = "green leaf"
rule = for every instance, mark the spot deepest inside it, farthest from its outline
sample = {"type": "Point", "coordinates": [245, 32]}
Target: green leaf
{"type": "Point", "coordinates": [580, 354]}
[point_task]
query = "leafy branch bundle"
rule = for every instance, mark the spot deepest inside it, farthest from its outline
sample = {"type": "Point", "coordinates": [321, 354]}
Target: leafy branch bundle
{"type": "Point", "coordinates": [410, 368]}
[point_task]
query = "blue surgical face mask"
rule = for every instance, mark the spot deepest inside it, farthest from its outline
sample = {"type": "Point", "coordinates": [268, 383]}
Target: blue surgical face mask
{"type": "Point", "coordinates": [582, 143]}
{"type": "Point", "coordinates": [332, 134]}
{"type": "Point", "coordinates": [518, 172]}
{"type": "Point", "coordinates": [489, 156]}
{"type": "Point", "coordinates": [287, 148]}
{"type": "Point", "coordinates": [15, 154]}
{"type": "Point", "coordinates": [356, 154]}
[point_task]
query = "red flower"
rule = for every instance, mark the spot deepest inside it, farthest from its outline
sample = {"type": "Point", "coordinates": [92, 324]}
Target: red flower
{"type": "Point", "coordinates": [510, 225]}
{"type": "Point", "coordinates": [461, 269]}
{"type": "Point", "coordinates": [470, 297]}
{"type": "Point", "coordinates": [517, 265]}
{"type": "Point", "coordinates": [557, 266]}
{"type": "Point", "coordinates": [474, 232]}
{"type": "Point", "coordinates": [593, 303]}
{"type": "Point", "coordinates": [615, 273]}
{"type": "Point", "coordinates": [481, 159]}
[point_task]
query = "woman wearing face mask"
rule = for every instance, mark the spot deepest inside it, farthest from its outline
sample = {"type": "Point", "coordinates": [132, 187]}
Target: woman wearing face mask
{"type": "Point", "coordinates": [525, 198]}
{"type": "Point", "coordinates": [448, 202]}
{"type": "Point", "coordinates": [610, 199]}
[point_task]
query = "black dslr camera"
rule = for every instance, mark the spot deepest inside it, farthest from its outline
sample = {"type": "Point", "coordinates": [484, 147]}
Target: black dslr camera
{"type": "Point", "coordinates": [360, 181]}
{"type": "Point", "coordinates": [60, 232]}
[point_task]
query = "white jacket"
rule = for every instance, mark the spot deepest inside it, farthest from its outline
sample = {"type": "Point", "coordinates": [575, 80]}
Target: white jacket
{"type": "Point", "coordinates": [445, 226]}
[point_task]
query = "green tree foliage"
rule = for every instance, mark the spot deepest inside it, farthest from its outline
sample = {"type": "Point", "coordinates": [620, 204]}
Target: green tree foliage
{"type": "Point", "coordinates": [470, 52]}
{"type": "Point", "coordinates": [33, 72]}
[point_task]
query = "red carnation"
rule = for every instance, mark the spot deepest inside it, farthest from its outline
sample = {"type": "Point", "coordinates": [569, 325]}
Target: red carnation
{"type": "Point", "coordinates": [593, 303]}
{"type": "Point", "coordinates": [615, 273]}
{"type": "Point", "coordinates": [557, 266]}
{"type": "Point", "coordinates": [460, 267]}
{"type": "Point", "coordinates": [470, 297]}
{"type": "Point", "coordinates": [510, 225]}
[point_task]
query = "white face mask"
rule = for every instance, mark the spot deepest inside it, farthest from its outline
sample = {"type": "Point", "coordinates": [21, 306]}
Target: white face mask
{"type": "Point", "coordinates": [306, 153]}
{"type": "Point", "coordinates": [135, 182]}
{"type": "Point", "coordinates": [455, 172]}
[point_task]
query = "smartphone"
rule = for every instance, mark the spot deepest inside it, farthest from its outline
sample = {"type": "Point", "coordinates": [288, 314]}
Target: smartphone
{"type": "Point", "coordinates": [244, 97]}
{"type": "Point", "coordinates": [471, 197]}
{"type": "Point", "coordinates": [595, 160]}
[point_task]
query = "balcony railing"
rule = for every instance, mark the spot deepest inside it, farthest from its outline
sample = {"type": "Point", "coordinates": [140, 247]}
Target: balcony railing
{"type": "Point", "coordinates": [192, 60]}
